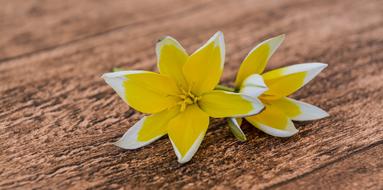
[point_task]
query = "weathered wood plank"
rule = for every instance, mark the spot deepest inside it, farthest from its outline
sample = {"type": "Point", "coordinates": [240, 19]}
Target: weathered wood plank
{"type": "Point", "coordinates": [58, 118]}
{"type": "Point", "coordinates": [363, 170]}
{"type": "Point", "coordinates": [32, 26]}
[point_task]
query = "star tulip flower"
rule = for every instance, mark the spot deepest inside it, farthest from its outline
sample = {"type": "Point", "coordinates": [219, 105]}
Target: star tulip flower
{"type": "Point", "coordinates": [272, 88]}
{"type": "Point", "coordinates": [180, 98]}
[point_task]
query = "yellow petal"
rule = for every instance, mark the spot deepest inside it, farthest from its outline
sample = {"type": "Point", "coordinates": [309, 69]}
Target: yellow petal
{"type": "Point", "coordinates": [235, 128]}
{"type": "Point", "coordinates": [283, 86]}
{"type": "Point", "coordinates": [299, 111]}
{"type": "Point", "coordinates": [147, 130]}
{"type": "Point", "coordinates": [171, 57]}
{"type": "Point", "coordinates": [204, 67]}
{"type": "Point", "coordinates": [285, 81]}
{"type": "Point", "coordinates": [289, 108]}
{"type": "Point", "coordinates": [186, 132]}
{"type": "Point", "coordinates": [220, 104]}
{"type": "Point", "coordinates": [256, 61]}
{"type": "Point", "coordinates": [273, 122]}
{"type": "Point", "coordinates": [145, 91]}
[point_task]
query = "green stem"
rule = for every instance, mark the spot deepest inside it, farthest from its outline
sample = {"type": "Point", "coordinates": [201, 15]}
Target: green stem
{"type": "Point", "coordinates": [224, 88]}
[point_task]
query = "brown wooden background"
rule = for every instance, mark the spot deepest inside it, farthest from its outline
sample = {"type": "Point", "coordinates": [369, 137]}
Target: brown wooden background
{"type": "Point", "coordinates": [58, 118]}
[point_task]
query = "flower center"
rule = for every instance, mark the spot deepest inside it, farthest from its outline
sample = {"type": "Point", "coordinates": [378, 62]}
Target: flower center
{"type": "Point", "coordinates": [187, 98]}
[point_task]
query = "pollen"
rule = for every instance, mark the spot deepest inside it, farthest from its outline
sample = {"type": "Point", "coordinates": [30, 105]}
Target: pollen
{"type": "Point", "coordinates": [187, 98]}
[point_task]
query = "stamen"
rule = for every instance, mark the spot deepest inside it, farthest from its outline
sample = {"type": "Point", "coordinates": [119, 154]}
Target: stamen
{"type": "Point", "coordinates": [183, 107]}
{"type": "Point", "coordinates": [188, 101]}
{"type": "Point", "coordinates": [191, 95]}
{"type": "Point", "coordinates": [182, 96]}
{"type": "Point", "coordinates": [184, 91]}
{"type": "Point", "coordinates": [187, 98]}
{"type": "Point", "coordinates": [195, 100]}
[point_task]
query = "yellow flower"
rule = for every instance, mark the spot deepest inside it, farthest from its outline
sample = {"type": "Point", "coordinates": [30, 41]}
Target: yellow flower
{"type": "Point", "coordinates": [180, 98]}
{"type": "Point", "coordinates": [272, 88]}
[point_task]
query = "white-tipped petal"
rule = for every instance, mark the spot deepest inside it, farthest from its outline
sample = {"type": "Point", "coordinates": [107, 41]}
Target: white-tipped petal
{"type": "Point", "coordinates": [256, 61]}
{"type": "Point", "coordinates": [297, 110]}
{"type": "Point", "coordinates": [288, 132]}
{"type": "Point", "coordinates": [147, 130]}
{"type": "Point", "coordinates": [312, 70]}
{"type": "Point", "coordinates": [308, 112]}
{"type": "Point", "coordinates": [285, 81]}
{"type": "Point", "coordinates": [193, 149]}
{"type": "Point", "coordinates": [273, 122]}
{"type": "Point", "coordinates": [171, 57]}
{"type": "Point", "coordinates": [116, 80]}
{"type": "Point", "coordinates": [204, 67]}
{"type": "Point", "coordinates": [186, 132]}
{"type": "Point", "coordinates": [129, 139]}
{"type": "Point", "coordinates": [253, 86]}
{"type": "Point", "coordinates": [145, 91]}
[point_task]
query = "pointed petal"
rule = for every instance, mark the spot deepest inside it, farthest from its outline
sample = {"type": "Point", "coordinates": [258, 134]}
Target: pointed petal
{"type": "Point", "coordinates": [235, 128]}
{"type": "Point", "coordinates": [171, 57]}
{"type": "Point", "coordinates": [253, 86]}
{"type": "Point", "coordinates": [147, 130]}
{"type": "Point", "coordinates": [204, 67]}
{"type": "Point", "coordinates": [273, 122]}
{"type": "Point", "coordinates": [256, 61]}
{"type": "Point", "coordinates": [186, 132]}
{"type": "Point", "coordinates": [145, 91]}
{"type": "Point", "coordinates": [299, 111]}
{"type": "Point", "coordinates": [220, 104]}
{"type": "Point", "coordinates": [285, 81]}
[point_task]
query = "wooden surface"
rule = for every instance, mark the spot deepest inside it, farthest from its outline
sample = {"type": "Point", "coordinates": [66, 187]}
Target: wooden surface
{"type": "Point", "coordinates": [58, 119]}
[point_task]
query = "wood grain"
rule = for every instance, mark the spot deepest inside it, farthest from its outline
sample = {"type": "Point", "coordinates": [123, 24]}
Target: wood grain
{"type": "Point", "coordinates": [362, 170]}
{"type": "Point", "coordinates": [32, 26]}
{"type": "Point", "coordinates": [58, 118]}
